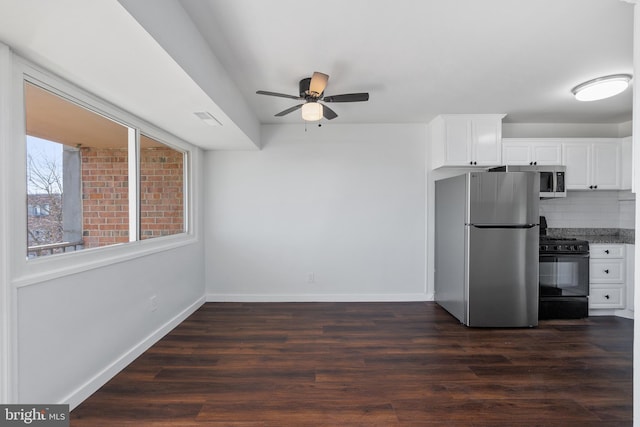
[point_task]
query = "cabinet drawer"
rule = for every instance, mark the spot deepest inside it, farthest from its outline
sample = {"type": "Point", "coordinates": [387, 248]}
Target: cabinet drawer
{"type": "Point", "coordinates": [608, 297]}
{"type": "Point", "coordinates": [606, 271]}
{"type": "Point", "coordinates": [606, 251]}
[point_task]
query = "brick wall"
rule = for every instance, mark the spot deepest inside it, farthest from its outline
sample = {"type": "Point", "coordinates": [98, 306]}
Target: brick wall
{"type": "Point", "coordinates": [105, 196]}
{"type": "Point", "coordinates": [161, 192]}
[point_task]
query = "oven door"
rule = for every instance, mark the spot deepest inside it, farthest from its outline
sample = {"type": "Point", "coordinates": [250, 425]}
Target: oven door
{"type": "Point", "coordinates": [564, 275]}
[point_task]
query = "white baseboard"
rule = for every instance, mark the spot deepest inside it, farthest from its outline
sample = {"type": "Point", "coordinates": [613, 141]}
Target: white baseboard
{"type": "Point", "coordinates": [627, 314]}
{"type": "Point", "coordinates": [214, 297]}
{"type": "Point", "coordinates": [87, 389]}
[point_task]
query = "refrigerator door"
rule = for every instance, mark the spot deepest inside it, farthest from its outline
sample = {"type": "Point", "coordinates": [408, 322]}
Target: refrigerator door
{"type": "Point", "coordinates": [502, 277]}
{"type": "Point", "coordinates": [503, 198]}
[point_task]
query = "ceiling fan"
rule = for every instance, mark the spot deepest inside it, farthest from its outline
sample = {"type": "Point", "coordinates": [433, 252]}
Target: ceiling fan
{"type": "Point", "coordinates": [311, 91]}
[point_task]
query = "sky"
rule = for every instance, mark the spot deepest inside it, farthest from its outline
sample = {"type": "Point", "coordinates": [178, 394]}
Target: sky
{"type": "Point", "coordinates": [44, 154]}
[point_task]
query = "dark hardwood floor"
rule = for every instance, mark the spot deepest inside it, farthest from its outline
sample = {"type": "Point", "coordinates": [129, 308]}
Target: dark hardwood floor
{"type": "Point", "coordinates": [370, 364]}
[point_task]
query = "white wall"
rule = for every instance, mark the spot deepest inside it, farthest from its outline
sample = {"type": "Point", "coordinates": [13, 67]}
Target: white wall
{"type": "Point", "coordinates": [70, 322]}
{"type": "Point", "coordinates": [74, 333]}
{"type": "Point", "coordinates": [566, 130]}
{"type": "Point", "coordinates": [344, 202]}
{"type": "Point", "coordinates": [75, 328]}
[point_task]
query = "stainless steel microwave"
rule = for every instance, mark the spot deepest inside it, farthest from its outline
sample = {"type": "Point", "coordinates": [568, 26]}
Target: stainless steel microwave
{"type": "Point", "coordinates": [552, 183]}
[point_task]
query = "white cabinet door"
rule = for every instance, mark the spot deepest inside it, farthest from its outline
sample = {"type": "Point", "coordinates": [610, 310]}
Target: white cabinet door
{"type": "Point", "coordinates": [577, 158]}
{"type": "Point", "coordinates": [606, 270]}
{"type": "Point", "coordinates": [516, 153]}
{"type": "Point", "coordinates": [606, 297]}
{"type": "Point", "coordinates": [606, 166]}
{"type": "Point", "coordinates": [529, 151]}
{"type": "Point", "coordinates": [486, 141]}
{"type": "Point", "coordinates": [457, 141]}
{"type": "Point", "coordinates": [547, 153]}
{"type": "Point", "coordinates": [593, 165]}
{"type": "Point", "coordinates": [466, 140]}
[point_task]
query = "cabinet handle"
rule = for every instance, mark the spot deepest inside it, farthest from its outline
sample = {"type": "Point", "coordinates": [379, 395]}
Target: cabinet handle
{"type": "Point", "coordinates": [535, 163]}
{"type": "Point", "coordinates": [530, 163]}
{"type": "Point", "coordinates": [606, 271]}
{"type": "Point", "coordinates": [606, 251]}
{"type": "Point", "coordinates": [595, 186]}
{"type": "Point", "coordinates": [591, 187]}
{"type": "Point", "coordinates": [607, 296]}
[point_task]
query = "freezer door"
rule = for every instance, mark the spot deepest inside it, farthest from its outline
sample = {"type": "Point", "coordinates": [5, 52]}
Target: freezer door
{"type": "Point", "coordinates": [502, 277]}
{"type": "Point", "coordinates": [504, 198]}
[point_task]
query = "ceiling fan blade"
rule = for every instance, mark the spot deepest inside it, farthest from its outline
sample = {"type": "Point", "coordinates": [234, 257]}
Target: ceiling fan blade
{"type": "Point", "coordinates": [328, 113]}
{"type": "Point", "coordinates": [281, 95]}
{"type": "Point", "coordinates": [318, 83]}
{"type": "Point", "coordinates": [289, 110]}
{"type": "Point", "coordinates": [347, 97]}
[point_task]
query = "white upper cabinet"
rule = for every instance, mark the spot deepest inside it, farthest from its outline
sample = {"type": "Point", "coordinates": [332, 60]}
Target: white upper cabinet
{"type": "Point", "coordinates": [577, 159]}
{"type": "Point", "coordinates": [529, 151]}
{"type": "Point", "coordinates": [593, 165]}
{"type": "Point", "coordinates": [466, 140]}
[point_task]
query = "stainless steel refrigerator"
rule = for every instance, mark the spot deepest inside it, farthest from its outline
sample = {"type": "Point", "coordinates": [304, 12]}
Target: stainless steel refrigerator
{"type": "Point", "coordinates": [486, 248]}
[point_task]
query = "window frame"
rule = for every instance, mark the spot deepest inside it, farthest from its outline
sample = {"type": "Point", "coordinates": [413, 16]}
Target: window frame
{"type": "Point", "coordinates": [31, 271]}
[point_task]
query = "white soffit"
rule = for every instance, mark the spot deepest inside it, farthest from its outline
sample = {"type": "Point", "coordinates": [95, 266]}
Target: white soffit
{"type": "Point", "coordinates": [101, 48]}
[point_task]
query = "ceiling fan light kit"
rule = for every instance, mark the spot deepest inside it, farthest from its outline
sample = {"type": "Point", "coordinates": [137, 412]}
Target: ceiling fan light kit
{"type": "Point", "coordinates": [602, 87]}
{"type": "Point", "coordinates": [311, 90]}
{"type": "Point", "coordinates": [312, 111]}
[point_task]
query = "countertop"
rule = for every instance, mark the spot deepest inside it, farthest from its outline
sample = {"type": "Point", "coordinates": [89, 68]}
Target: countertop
{"type": "Point", "coordinates": [596, 235]}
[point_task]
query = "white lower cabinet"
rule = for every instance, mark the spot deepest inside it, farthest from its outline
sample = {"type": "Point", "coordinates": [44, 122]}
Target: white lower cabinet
{"type": "Point", "coordinates": [606, 296]}
{"type": "Point", "coordinates": [607, 279]}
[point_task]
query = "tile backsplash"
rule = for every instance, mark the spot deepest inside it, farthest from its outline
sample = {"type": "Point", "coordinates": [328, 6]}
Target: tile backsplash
{"type": "Point", "coordinates": [591, 209]}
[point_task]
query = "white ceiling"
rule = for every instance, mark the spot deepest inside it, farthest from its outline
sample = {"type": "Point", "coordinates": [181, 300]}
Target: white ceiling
{"type": "Point", "coordinates": [163, 60]}
{"type": "Point", "coordinates": [419, 58]}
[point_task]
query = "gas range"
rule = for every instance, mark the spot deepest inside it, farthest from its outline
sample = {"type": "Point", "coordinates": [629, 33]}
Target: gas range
{"type": "Point", "coordinates": [563, 245]}
{"type": "Point", "coordinates": [563, 276]}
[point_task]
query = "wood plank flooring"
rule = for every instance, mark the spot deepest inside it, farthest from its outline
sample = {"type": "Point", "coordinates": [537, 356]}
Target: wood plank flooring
{"type": "Point", "coordinates": [370, 364]}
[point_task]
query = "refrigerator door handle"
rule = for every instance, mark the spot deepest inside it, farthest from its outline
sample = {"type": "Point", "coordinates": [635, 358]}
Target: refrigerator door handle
{"type": "Point", "coordinates": [516, 226]}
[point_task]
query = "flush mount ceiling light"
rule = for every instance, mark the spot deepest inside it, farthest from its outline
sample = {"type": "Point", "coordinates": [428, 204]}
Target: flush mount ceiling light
{"type": "Point", "coordinates": [312, 111]}
{"type": "Point", "coordinates": [602, 87]}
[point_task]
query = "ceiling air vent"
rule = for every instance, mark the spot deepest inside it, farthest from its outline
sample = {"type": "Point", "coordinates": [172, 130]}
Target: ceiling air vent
{"type": "Point", "coordinates": [208, 118]}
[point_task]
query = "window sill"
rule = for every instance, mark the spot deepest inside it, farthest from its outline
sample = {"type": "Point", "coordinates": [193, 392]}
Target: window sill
{"type": "Point", "coordinates": [52, 267]}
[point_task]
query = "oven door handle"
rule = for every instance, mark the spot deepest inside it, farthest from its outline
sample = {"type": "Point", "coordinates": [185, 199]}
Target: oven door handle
{"type": "Point", "coordinates": [514, 226]}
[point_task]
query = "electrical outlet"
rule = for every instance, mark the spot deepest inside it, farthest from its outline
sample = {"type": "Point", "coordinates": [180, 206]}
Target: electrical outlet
{"type": "Point", "coordinates": [311, 277]}
{"type": "Point", "coordinates": [153, 302]}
